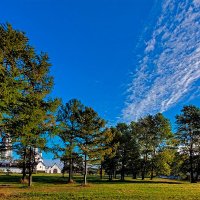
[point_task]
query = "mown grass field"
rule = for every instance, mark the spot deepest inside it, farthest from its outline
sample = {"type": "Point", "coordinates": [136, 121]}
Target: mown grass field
{"type": "Point", "coordinates": [54, 187]}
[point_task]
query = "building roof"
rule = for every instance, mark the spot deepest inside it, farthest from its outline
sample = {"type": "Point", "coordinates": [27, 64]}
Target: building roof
{"type": "Point", "coordinates": [54, 165]}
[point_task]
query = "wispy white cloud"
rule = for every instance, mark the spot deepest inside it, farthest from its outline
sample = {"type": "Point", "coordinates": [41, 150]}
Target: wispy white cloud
{"type": "Point", "coordinates": [197, 2]}
{"type": "Point", "coordinates": [170, 64]}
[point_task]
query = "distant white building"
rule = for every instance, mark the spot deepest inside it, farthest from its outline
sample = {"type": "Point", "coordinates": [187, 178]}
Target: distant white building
{"type": "Point", "coordinates": [6, 148]}
{"type": "Point", "coordinates": [40, 167]}
{"type": "Point", "coordinates": [8, 165]}
{"type": "Point", "coordinates": [55, 169]}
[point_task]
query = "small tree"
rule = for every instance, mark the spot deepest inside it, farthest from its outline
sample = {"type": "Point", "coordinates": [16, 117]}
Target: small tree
{"type": "Point", "coordinates": [77, 163]}
{"type": "Point", "coordinates": [106, 148]}
{"type": "Point", "coordinates": [153, 132]}
{"type": "Point", "coordinates": [91, 137]}
{"type": "Point", "coordinates": [134, 154]}
{"type": "Point", "coordinates": [164, 161]}
{"type": "Point", "coordinates": [188, 134]}
{"type": "Point", "coordinates": [125, 147]}
{"type": "Point", "coordinates": [111, 161]}
{"type": "Point", "coordinates": [68, 129]}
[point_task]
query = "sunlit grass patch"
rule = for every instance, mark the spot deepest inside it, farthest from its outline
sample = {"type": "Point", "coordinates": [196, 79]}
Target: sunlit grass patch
{"type": "Point", "coordinates": [56, 187]}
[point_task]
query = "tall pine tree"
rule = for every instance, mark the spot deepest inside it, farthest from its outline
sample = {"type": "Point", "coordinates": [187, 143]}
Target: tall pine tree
{"type": "Point", "coordinates": [26, 111]}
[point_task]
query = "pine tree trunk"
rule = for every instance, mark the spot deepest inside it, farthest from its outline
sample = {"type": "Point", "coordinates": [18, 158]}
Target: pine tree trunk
{"type": "Point", "coordinates": [152, 164]}
{"type": "Point", "coordinates": [109, 178]}
{"type": "Point", "coordinates": [85, 171]}
{"type": "Point", "coordinates": [144, 167]}
{"type": "Point", "coordinates": [134, 174]}
{"type": "Point", "coordinates": [70, 171]}
{"type": "Point", "coordinates": [30, 168]}
{"type": "Point", "coordinates": [70, 162]}
{"type": "Point", "coordinates": [30, 179]}
{"type": "Point", "coordinates": [24, 166]}
{"type": "Point", "coordinates": [197, 174]}
{"type": "Point", "coordinates": [101, 171]}
{"type": "Point", "coordinates": [191, 167]}
{"type": "Point", "coordinates": [110, 175]}
{"type": "Point", "coordinates": [114, 172]}
{"type": "Point", "coordinates": [143, 173]}
{"type": "Point", "coordinates": [64, 167]}
{"type": "Point", "coordinates": [151, 172]}
{"type": "Point", "coordinates": [122, 172]}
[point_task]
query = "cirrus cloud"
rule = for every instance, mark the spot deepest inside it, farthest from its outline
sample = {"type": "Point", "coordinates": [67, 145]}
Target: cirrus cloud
{"type": "Point", "coordinates": [169, 68]}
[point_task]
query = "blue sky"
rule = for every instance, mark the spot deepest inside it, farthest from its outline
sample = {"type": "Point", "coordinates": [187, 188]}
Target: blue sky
{"type": "Point", "coordinates": [125, 58]}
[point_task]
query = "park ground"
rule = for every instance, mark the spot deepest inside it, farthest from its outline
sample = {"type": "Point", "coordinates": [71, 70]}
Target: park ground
{"type": "Point", "coordinates": [55, 187]}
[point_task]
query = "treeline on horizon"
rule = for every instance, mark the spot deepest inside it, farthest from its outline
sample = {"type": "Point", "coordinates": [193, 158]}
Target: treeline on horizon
{"type": "Point", "coordinates": [28, 116]}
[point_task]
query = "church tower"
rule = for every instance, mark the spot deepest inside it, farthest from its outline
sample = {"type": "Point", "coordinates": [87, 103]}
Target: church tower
{"type": "Point", "coordinates": [6, 148]}
{"type": "Point", "coordinates": [38, 155]}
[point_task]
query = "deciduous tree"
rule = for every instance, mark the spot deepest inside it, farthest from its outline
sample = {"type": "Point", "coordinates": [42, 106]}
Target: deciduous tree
{"type": "Point", "coordinates": [188, 134]}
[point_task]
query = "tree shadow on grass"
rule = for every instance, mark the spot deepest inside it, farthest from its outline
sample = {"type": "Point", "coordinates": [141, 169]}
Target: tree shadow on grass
{"type": "Point", "coordinates": [132, 181]}
{"type": "Point", "coordinates": [9, 178]}
{"type": "Point", "coordinates": [142, 182]}
{"type": "Point", "coordinates": [97, 180]}
{"type": "Point", "coordinates": [55, 179]}
{"type": "Point", "coordinates": [49, 179]}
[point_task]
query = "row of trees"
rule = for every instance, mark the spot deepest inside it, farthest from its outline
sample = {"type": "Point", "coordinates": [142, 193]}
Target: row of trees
{"type": "Point", "coordinates": [27, 116]}
{"type": "Point", "coordinates": [149, 148]}
{"type": "Point", "coordinates": [143, 148]}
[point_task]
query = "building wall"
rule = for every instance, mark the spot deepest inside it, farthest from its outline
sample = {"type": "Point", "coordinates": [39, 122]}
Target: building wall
{"type": "Point", "coordinates": [40, 167]}
{"type": "Point", "coordinates": [11, 169]}
{"type": "Point", "coordinates": [54, 170]}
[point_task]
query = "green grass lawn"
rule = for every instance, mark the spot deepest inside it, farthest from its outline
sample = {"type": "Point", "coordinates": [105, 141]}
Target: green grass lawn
{"type": "Point", "coordinates": [54, 187]}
